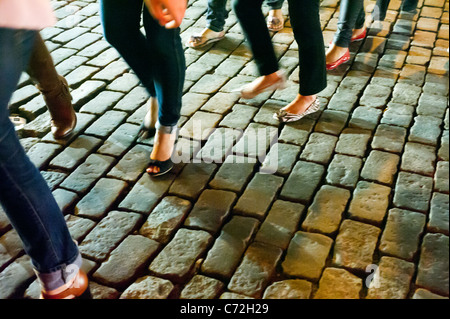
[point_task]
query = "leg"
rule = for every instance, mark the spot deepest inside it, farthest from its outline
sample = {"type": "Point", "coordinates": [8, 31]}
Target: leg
{"type": "Point", "coordinates": [350, 10]}
{"type": "Point", "coordinates": [54, 88]}
{"type": "Point", "coordinates": [121, 26]}
{"type": "Point", "coordinates": [305, 23]}
{"type": "Point", "coordinates": [360, 19]}
{"type": "Point", "coordinates": [251, 18]}
{"type": "Point", "coordinates": [380, 9]}
{"type": "Point", "coordinates": [409, 5]}
{"type": "Point", "coordinates": [338, 52]}
{"type": "Point", "coordinates": [167, 56]}
{"type": "Point", "coordinates": [24, 194]}
{"type": "Point", "coordinates": [216, 15]}
{"type": "Point", "coordinates": [169, 65]}
{"type": "Point", "coordinates": [275, 20]}
{"type": "Point", "coordinates": [359, 31]}
{"type": "Point", "coordinates": [275, 4]}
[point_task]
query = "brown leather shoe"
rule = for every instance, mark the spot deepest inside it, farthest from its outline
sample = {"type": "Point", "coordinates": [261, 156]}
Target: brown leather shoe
{"type": "Point", "coordinates": [54, 89]}
{"type": "Point", "coordinates": [78, 289]}
{"type": "Point", "coordinates": [59, 104]}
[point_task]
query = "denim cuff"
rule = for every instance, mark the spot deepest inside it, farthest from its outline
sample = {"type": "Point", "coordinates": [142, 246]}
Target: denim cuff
{"type": "Point", "coordinates": [214, 28]}
{"type": "Point", "coordinates": [168, 129]}
{"type": "Point", "coordinates": [58, 278]}
{"type": "Point", "coordinates": [341, 42]}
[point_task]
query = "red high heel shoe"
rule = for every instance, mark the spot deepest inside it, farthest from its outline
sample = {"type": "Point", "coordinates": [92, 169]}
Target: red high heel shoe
{"type": "Point", "coordinates": [78, 289]}
{"type": "Point", "coordinates": [359, 37]}
{"type": "Point", "coordinates": [338, 62]}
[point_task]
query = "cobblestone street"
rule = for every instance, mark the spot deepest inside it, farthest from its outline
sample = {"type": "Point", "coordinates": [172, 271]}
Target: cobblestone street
{"type": "Point", "coordinates": [350, 202]}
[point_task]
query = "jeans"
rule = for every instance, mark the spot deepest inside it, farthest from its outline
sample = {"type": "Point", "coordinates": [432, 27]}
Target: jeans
{"type": "Point", "coordinates": [157, 58]}
{"type": "Point", "coordinates": [217, 13]}
{"type": "Point", "coordinates": [24, 194]}
{"type": "Point", "coordinates": [351, 16]}
{"type": "Point", "coordinates": [381, 6]}
{"type": "Point", "coordinates": [305, 21]}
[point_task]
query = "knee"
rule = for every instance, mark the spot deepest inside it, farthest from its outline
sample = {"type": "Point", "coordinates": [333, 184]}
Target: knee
{"type": "Point", "coordinates": [109, 35]}
{"type": "Point", "coordinates": [114, 36]}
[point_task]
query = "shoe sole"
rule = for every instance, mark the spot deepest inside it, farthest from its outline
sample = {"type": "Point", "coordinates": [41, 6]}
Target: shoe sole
{"type": "Point", "coordinates": [213, 40]}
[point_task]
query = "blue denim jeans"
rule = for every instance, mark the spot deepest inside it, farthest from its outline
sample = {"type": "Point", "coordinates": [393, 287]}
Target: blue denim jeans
{"type": "Point", "coordinates": [157, 58]}
{"type": "Point", "coordinates": [24, 194]}
{"type": "Point", "coordinates": [381, 6]}
{"type": "Point", "coordinates": [351, 16]}
{"type": "Point", "coordinates": [217, 12]}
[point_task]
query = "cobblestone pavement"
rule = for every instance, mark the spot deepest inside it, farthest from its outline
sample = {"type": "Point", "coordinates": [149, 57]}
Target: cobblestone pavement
{"type": "Point", "coordinates": [360, 192]}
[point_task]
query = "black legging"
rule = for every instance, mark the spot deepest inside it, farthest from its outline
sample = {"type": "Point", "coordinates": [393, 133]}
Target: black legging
{"type": "Point", "coordinates": [305, 21]}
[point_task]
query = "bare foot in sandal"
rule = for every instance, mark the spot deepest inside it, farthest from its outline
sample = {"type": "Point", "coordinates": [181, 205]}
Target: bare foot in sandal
{"type": "Point", "coordinates": [163, 148]}
{"type": "Point", "coordinates": [275, 20]}
{"type": "Point", "coordinates": [206, 37]}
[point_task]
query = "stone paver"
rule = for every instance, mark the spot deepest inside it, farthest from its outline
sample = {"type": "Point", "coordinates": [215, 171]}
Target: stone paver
{"type": "Point", "coordinates": [349, 202]}
{"type": "Point", "coordinates": [392, 279]}
{"type": "Point", "coordinates": [306, 255]}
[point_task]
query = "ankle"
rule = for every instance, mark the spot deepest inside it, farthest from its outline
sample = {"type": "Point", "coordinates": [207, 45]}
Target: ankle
{"type": "Point", "coordinates": [273, 77]}
{"type": "Point", "coordinates": [307, 98]}
{"type": "Point", "coordinates": [211, 33]}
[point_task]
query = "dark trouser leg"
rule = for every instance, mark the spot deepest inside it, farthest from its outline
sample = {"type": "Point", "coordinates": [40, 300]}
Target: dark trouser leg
{"type": "Point", "coordinates": [253, 23]}
{"type": "Point", "coordinates": [305, 23]}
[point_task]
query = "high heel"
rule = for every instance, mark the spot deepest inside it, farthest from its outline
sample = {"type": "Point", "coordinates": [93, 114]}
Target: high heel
{"type": "Point", "coordinates": [344, 58]}
{"type": "Point", "coordinates": [167, 165]}
{"type": "Point", "coordinates": [79, 289]}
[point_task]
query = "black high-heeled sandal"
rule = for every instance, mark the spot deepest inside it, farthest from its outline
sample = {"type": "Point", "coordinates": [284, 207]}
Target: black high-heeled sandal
{"type": "Point", "coordinates": [167, 165]}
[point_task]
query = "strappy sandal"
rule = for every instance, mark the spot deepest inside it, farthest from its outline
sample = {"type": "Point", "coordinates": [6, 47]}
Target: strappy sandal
{"type": "Point", "coordinates": [275, 24]}
{"type": "Point", "coordinates": [285, 117]}
{"type": "Point", "coordinates": [201, 40]}
{"type": "Point", "coordinates": [167, 165]}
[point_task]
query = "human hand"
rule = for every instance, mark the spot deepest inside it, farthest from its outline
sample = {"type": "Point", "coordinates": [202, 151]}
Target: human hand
{"type": "Point", "coordinates": [169, 13]}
